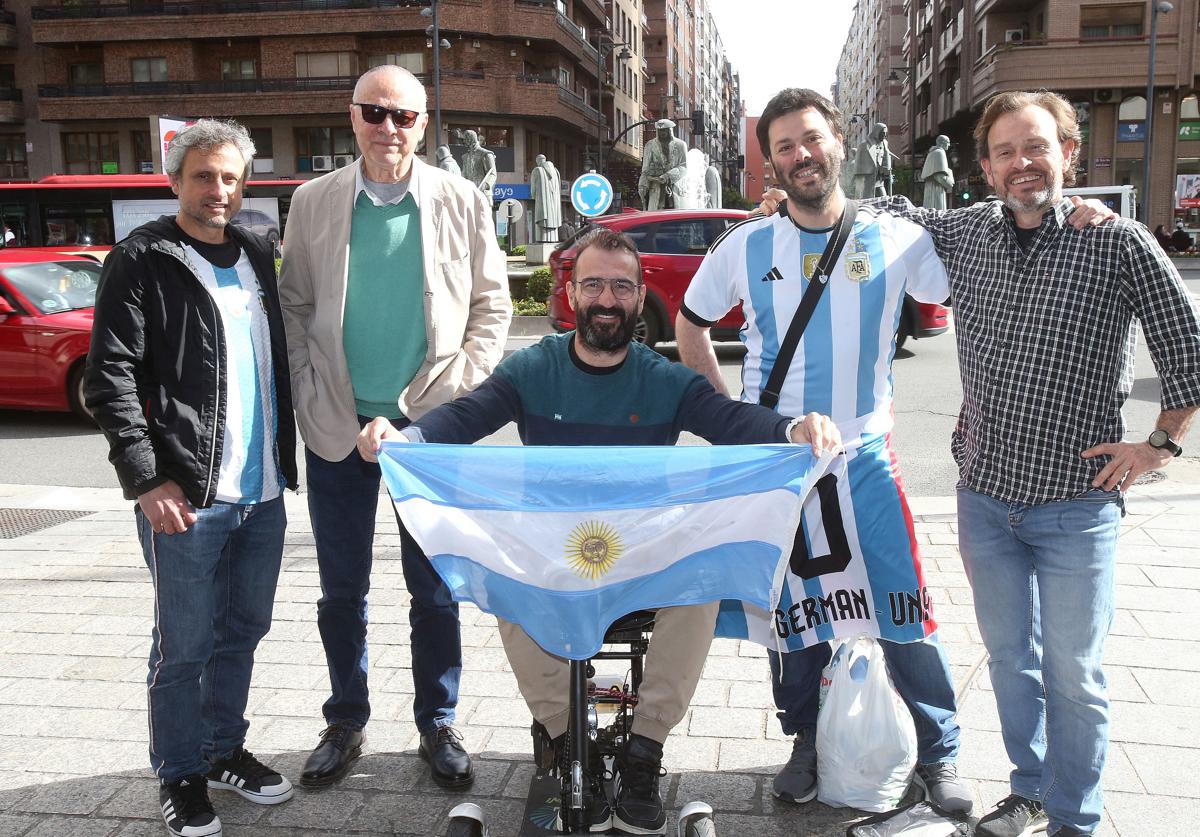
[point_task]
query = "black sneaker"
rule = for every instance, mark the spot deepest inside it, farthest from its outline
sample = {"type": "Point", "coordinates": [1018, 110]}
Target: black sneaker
{"type": "Point", "coordinates": [243, 774]}
{"type": "Point", "coordinates": [595, 798]}
{"type": "Point", "coordinates": [186, 809]}
{"type": "Point", "coordinates": [638, 807]}
{"type": "Point", "coordinates": [1015, 816]}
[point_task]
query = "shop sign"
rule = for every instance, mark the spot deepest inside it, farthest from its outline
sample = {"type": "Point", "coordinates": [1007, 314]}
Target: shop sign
{"type": "Point", "coordinates": [1189, 130]}
{"type": "Point", "coordinates": [1132, 131]}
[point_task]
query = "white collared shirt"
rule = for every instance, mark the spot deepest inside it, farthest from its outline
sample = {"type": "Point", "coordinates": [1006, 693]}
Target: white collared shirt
{"type": "Point", "coordinates": [360, 185]}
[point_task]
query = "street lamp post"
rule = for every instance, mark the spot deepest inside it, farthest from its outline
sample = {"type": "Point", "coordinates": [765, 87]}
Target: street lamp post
{"type": "Point", "coordinates": [439, 43]}
{"type": "Point", "coordinates": [910, 76]}
{"type": "Point", "coordinates": [604, 48]}
{"type": "Point", "coordinates": [1157, 7]}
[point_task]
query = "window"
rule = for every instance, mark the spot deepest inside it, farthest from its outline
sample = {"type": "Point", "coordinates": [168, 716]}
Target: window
{"type": "Point", "coordinates": [88, 73]}
{"type": "Point", "coordinates": [1111, 21]}
{"type": "Point", "coordinates": [148, 69]}
{"type": "Point", "coordinates": [90, 152]}
{"type": "Point", "coordinates": [689, 238]}
{"type": "Point", "coordinates": [8, 76]}
{"type": "Point", "coordinates": [1132, 108]}
{"type": "Point", "coordinates": [143, 159]}
{"type": "Point", "coordinates": [12, 158]}
{"type": "Point", "coordinates": [564, 77]}
{"type": "Point", "coordinates": [262, 139]}
{"type": "Point", "coordinates": [414, 62]}
{"type": "Point", "coordinates": [233, 69]}
{"type": "Point", "coordinates": [322, 142]}
{"type": "Point", "coordinates": [325, 64]}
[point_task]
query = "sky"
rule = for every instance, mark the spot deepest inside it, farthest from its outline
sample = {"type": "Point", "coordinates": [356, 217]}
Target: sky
{"type": "Point", "coordinates": [775, 44]}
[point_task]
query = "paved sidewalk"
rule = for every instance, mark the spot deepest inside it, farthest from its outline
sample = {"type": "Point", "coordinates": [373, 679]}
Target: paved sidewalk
{"type": "Point", "coordinates": [75, 607]}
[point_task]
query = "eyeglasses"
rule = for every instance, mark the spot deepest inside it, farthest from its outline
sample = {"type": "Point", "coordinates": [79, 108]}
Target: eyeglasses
{"type": "Point", "coordinates": [374, 114]}
{"type": "Point", "coordinates": [621, 288]}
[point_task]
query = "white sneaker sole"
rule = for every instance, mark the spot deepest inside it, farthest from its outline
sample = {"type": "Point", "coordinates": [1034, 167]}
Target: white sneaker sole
{"type": "Point", "coordinates": [213, 829]}
{"type": "Point", "coordinates": [787, 797]}
{"type": "Point", "coordinates": [622, 827]}
{"type": "Point", "coordinates": [269, 796]}
{"type": "Point", "coordinates": [921, 783]}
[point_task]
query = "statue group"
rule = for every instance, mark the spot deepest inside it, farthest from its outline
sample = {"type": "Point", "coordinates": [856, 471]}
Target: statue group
{"type": "Point", "coordinates": [871, 167]}
{"type": "Point", "coordinates": [675, 178]}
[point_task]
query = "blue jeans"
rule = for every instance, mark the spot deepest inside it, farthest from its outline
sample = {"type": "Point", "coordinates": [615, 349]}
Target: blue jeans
{"type": "Point", "coordinates": [1043, 578]}
{"type": "Point", "coordinates": [214, 587]}
{"type": "Point", "coordinates": [919, 671]}
{"type": "Point", "coordinates": [342, 498]}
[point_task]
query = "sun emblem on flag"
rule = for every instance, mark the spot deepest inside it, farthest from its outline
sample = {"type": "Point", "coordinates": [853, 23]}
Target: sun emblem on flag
{"type": "Point", "coordinates": [592, 548]}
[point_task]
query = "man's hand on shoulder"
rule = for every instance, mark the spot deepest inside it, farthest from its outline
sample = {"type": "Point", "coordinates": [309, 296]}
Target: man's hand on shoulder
{"type": "Point", "coordinates": [1129, 461]}
{"type": "Point", "coordinates": [816, 430]}
{"type": "Point", "coordinates": [166, 509]}
{"type": "Point", "coordinates": [770, 202]}
{"type": "Point", "coordinates": [1089, 213]}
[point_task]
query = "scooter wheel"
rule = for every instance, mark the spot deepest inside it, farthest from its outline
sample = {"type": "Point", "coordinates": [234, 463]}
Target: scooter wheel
{"type": "Point", "coordinates": [464, 827]}
{"type": "Point", "coordinates": [701, 827]}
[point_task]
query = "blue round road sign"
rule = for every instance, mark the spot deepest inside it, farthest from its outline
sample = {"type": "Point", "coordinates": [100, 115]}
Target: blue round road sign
{"type": "Point", "coordinates": [591, 194]}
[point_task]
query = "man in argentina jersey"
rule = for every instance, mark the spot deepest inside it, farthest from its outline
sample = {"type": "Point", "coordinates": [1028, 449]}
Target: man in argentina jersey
{"type": "Point", "coordinates": [841, 368]}
{"type": "Point", "coordinates": [188, 377]}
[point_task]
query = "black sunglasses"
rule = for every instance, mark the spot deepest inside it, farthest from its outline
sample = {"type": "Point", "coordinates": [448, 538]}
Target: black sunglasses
{"type": "Point", "coordinates": [374, 114]}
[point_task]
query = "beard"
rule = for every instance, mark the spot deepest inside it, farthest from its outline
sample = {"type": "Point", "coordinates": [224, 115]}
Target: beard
{"type": "Point", "coordinates": [815, 197]}
{"type": "Point", "coordinates": [1039, 200]}
{"type": "Point", "coordinates": [606, 336]}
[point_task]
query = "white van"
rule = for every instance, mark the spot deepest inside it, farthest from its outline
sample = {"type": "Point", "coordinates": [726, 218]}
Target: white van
{"type": "Point", "coordinates": [1120, 199]}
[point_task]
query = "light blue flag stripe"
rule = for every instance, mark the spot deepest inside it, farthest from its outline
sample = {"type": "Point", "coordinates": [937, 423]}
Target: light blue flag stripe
{"type": "Point", "coordinates": [514, 478]}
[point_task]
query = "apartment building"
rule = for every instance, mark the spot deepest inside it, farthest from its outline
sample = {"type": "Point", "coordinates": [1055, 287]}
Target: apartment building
{"type": "Point", "coordinates": [1096, 53]}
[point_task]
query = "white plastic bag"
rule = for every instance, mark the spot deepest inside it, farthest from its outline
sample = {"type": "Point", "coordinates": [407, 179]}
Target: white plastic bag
{"type": "Point", "coordinates": [866, 742]}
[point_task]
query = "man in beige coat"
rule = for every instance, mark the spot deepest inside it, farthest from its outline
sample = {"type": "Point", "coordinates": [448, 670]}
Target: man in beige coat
{"type": "Point", "coordinates": [395, 298]}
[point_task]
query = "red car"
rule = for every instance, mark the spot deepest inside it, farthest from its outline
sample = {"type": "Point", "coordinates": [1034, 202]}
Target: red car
{"type": "Point", "coordinates": [672, 245]}
{"type": "Point", "coordinates": [46, 307]}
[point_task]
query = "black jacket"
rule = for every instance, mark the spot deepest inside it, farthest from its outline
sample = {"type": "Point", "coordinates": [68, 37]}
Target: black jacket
{"type": "Point", "coordinates": [154, 379]}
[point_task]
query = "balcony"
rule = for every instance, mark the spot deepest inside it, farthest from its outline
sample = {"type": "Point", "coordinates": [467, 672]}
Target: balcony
{"type": "Point", "coordinates": [76, 10]}
{"type": "Point", "coordinates": [579, 36]}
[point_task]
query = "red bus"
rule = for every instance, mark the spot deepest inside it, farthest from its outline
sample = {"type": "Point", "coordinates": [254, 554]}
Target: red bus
{"type": "Point", "coordinates": [91, 212]}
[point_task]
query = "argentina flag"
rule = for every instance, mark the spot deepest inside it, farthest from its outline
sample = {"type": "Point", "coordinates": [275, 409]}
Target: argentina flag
{"type": "Point", "coordinates": [564, 540]}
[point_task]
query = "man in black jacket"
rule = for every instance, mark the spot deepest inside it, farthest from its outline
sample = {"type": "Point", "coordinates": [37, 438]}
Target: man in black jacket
{"type": "Point", "coordinates": [188, 378]}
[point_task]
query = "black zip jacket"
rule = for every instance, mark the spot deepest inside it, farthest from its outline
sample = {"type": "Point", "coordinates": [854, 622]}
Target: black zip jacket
{"type": "Point", "coordinates": [155, 379]}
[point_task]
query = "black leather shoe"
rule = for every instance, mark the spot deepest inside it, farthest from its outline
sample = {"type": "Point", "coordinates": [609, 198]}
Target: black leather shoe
{"type": "Point", "coordinates": [340, 746]}
{"type": "Point", "coordinates": [449, 763]}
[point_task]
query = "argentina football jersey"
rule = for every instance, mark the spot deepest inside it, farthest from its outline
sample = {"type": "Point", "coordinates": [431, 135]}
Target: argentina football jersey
{"type": "Point", "coordinates": [842, 366]}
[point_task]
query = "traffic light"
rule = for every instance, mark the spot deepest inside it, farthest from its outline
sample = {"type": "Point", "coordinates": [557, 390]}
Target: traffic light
{"type": "Point", "coordinates": [965, 195]}
{"type": "Point", "coordinates": [698, 121]}
{"type": "Point", "coordinates": [741, 162]}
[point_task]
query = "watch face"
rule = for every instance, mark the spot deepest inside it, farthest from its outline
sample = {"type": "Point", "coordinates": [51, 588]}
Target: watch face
{"type": "Point", "coordinates": [1159, 438]}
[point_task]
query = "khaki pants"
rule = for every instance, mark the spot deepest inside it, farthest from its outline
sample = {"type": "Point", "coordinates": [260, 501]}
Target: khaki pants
{"type": "Point", "coordinates": [674, 661]}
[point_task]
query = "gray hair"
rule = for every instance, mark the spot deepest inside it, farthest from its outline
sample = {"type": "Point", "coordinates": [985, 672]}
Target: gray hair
{"type": "Point", "coordinates": [400, 78]}
{"type": "Point", "coordinates": [207, 134]}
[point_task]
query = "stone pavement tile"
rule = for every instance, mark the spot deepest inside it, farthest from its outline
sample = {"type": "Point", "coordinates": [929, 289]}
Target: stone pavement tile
{"type": "Point", "coordinates": [724, 791]}
{"type": "Point", "coordinates": [1124, 624]}
{"type": "Point", "coordinates": [378, 771]}
{"type": "Point", "coordinates": [138, 799]}
{"type": "Point", "coordinates": [732, 668]}
{"type": "Point", "coordinates": [1166, 771]}
{"type": "Point", "coordinates": [1141, 815]}
{"type": "Point", "coordinates": [291, 653]}
{"type": "Point", "coordinates": [1123, 685]}
{"type": "Point", "coordinates": [71, 693]}
{"type": "Point", "coordinates": [765, 757]}
{"type": "Point", "coordinates": [75, 756]}
{"type": "Point", "coordinates": [1171, 520]}
{"type": "Point", "coordinates": [329, 809]}
{"type": "Point", "coordinates": [811, 818]}
{"type": "Point", "coordinates": [138, 626]}
{"type": "Point", "coordinates": [504, 817]}
{"type": "Point", "coordinates": [12, 825]}
{"type": "Point", "coordinates": [752, 694]}
{"type": "Point", "coordinates": [111, 669]}
{"type": "Point", "coordinates": [708, 693]}
{"type": "Point", "coordinates": [498, 712]}
{"type": "Point", "coordinates": [1170, 688]}
{"type": "Point", "coordinates": [397, 656]}
{"type": "Point", "coordinates": [723, 648]}
{"type": "Point", "coordinates": [1173, 537]}
{"type": "Point", "coordinates": [1186, 577]}
{"type": "Point", "coordinates": [284, 676]}
{"type": "Point", "coordinates": [150, 828]}
{"type": "Point", "coordinates": [52, 623]}
{"type": "Point", "coordinates": [393, 813]}
{"type": "Point", "coordinates": [682, 752]}
{"type": "Point", "coordinates": [1169, 625]}
{"type": "Point", "coordinates": [513, 743]}
{"type": "Point", "coordinates": [81, 796]}
{"type": "Point", "coordinates": [289, 631]}
{"type": "Point", "coordinates": [484, 659]}
{"type": "Point", "coordinates": [746, 648]}
{"type": "Point", "coordinates": [1132, 576]}
{"type": "Point", "coordinates": [55, 645]}
{"type": "Point", "coordinates": [1142, 652]}
{"type": "Point", "coordinates": [798, 823]}
{"type": "Point", "coordinates": [725, 722]}
{"type": "Point", "coordinates": [1144, 723]}
{"type": "Point", "coordinates": [290, 703]}
{"type": "Point", "coordinates": [74, 827]}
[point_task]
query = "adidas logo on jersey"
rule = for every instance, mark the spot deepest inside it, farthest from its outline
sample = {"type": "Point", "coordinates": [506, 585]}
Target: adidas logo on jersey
{"type": "Point", "coordinates": [773, 275]}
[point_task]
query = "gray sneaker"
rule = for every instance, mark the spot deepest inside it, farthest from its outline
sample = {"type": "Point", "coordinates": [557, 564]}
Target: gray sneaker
{"type": "Point", "coordinates": [943, 788]}
{"type": "Point", "coordinates": [797, 780]}
{"type": "Point", "coordinates": [1015, 816]}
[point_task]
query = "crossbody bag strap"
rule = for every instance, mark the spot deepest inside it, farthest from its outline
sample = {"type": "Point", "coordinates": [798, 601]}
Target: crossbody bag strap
{"type": "Point", "coordinates": [769, 397]}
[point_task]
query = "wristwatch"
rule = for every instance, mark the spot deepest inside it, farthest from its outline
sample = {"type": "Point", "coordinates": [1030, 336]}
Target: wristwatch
{"type": "Point", "coordinates": [1161, 440]}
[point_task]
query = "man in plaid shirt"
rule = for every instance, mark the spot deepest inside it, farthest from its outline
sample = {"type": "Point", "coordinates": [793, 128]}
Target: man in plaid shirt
{"type": "Point", "coordinates": [1044, 317]}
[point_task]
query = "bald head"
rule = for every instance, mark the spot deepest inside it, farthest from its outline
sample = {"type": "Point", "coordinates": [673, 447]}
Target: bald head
{"type": "Point", "coordinates": [395, 83]}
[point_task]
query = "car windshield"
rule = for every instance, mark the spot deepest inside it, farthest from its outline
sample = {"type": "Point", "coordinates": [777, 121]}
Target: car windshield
{"type": "Point", "coordinates": [54, 287]}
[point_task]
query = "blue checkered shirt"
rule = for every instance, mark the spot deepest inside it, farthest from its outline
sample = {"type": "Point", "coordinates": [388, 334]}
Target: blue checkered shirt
{"type": "Point", "coordinates": [1046, 341]}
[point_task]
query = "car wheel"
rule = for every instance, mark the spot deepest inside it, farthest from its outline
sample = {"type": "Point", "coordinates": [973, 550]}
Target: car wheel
{"type": "Point", "coordinates": [648, 329]}
{"type": "Point", "coordinates": [75, 393]}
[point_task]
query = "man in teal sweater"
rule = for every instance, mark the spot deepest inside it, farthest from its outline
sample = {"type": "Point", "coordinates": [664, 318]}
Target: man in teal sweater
{"type": "Point", "coordinates": [595, 386]}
